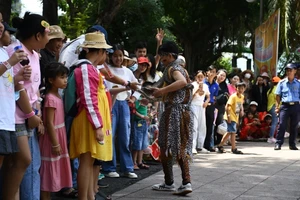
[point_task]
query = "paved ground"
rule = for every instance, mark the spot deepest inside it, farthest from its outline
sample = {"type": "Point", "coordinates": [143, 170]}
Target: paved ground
{"type": "Point", "coordinates": [260, 173]}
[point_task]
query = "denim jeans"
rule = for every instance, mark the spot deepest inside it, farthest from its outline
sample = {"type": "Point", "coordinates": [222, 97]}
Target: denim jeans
{"type": "Point", "coordinates": [30, 185]}
{"type": "Point", "coordinates": [274, 121]}
{"type": "Point", "coordinates": [121, 131]}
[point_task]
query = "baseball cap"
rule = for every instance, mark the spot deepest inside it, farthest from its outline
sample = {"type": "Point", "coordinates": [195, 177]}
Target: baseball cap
{"type": "Point", "coordinates": [276, 79]}
{"type": "Point", "coordinates": [143, 60]}
{"type": "Point", "coordinates": [253, 103]}
{"type": "Point", "coordinates": [102, 30]}
{"type": "Point", "coordinates": [126, 56]}
{"type": "Point", "coordinates": [291, 66]}
{"type": "Point", "coordinates": [11, 30]}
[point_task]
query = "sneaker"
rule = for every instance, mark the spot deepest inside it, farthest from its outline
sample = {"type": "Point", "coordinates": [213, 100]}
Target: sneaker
{"type": "Point", "coordinates": [101, 176]}
{"type": "Point", "coordinates": [203, 151]}
{"type": "Point", "coordinates": [271, 140]}
{"type": "Point", "coordinates": [130, 175]}
{"type": "Point", "coordinates": [184, 189]}
{"type": "Point", "coordinates": [235, 151]}
{"type": "Point", "coordinates": [194, 151]}
{"type": "Point", "coordinates": [163, 187]}
{"type": "Point", "coordinates": [113, 175]}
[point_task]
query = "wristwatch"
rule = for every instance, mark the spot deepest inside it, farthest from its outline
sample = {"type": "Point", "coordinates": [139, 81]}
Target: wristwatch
{"type": "Point", "coordinates": [7, 65]}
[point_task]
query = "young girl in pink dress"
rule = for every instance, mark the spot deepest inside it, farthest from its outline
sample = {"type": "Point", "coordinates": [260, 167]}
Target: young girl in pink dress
{"type": "Point", "coordinates": [55, 167]}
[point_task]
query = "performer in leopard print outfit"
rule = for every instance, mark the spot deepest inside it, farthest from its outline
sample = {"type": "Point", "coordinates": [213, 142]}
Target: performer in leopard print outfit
{"type": "Point", "coordinates": [175, 127]}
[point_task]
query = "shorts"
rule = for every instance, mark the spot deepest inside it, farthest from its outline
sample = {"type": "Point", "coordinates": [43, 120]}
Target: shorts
{"type": "Point", "coordinates": [231, 127]}
{"type": "Point", "coordinates": [8, 142]}
{"type": "Point", "coordinates": [22, 130]}
{"type": "Point", "coordinates": [140, 139]}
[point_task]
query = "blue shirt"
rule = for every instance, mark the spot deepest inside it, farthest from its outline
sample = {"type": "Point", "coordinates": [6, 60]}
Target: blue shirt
{"type": "Point", "coordinates": [213, 89]}
{"type": "Point", "coordinates": [289, 92]}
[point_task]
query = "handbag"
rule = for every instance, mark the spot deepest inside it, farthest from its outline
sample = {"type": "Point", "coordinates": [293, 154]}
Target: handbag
{"type": "Point", "coordinates": [222, 128]}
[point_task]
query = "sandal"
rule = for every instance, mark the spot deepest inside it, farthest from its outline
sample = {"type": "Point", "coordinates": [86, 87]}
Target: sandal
{"type": "Point", "coordinates": [235, 151]}
{"type": "Point", "coordinates": [143, 166]}
{"type": "Point", "coordinates": [135, 167]}
{"type": "Point", "coordinates": [221, 149]}
{"type": "Point", "coordinates": [104, 196]}
{"type": "Point", "coordinates": [71, 193]}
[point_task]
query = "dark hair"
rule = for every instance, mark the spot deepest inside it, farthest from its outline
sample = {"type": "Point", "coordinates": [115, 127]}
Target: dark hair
{"type": "Point", "coordinates": [200, 71]}
{"type": "Point", "coordinates": [115, 47]}
{"type": "Point", "coordinates": [153, 65]}
{"type": "Point", "coordinates": [240, 84]}
{"type": "Point", "coordinates": [82, 54]}
{"type": "Point", "coordinates": [30, 25]}
{"type": "Point", "coordinates": [53, 70]}
{"type": "Point", "coordinates": [211, 67]}
{"type": "Point", "coordinates": [222, 70]}
{"type": "Point", "coordinates": [140, 45]}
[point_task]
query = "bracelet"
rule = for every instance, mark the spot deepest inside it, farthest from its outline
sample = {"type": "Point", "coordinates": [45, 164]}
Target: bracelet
{"type": "Point", "coordinates": [7, 65]}
{"type": "Point", "coordinates": [29, 115]}
{"type": "Point", "coordinates": [55, 146]}
{"type": "Point", "coordinates": [128, 83]}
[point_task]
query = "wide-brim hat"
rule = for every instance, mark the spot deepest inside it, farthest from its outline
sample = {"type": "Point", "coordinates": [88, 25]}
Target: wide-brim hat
{"type": "Point", "coordinates": [95, 40]}
{"type": "Point", "coordinates": [56, 32]}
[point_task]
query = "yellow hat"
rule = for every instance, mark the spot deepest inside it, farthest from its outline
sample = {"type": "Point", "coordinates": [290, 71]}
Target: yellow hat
{"type": "Point", "coordinates": [95, 40]}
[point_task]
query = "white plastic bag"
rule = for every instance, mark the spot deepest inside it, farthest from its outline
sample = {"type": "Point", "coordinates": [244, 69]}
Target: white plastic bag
{"type": "Point", "coordinates": [222, 128]}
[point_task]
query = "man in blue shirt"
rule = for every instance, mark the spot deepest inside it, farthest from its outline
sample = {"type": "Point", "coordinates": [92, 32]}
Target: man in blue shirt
{"type": "Point", "coordinates": [288, 93]}
{"type": "Point", "coordinates": [210, 109]}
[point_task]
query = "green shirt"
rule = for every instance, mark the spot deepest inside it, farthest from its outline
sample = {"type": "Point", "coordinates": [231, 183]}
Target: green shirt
{"type": "Point", "coordinates": [143, 110]}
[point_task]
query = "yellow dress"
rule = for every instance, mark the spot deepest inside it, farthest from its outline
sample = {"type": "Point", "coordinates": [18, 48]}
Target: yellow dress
{"type": "Point", "coordinates": [83, 139]}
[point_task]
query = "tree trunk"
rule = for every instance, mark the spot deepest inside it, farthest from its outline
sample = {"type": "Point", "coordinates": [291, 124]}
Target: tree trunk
{"type": "Point", "coordinates": [106, 17]}
{"type": "Point", "coordinates": [50, 9]}
{"type": "Point", "coordinates": [5, 9]}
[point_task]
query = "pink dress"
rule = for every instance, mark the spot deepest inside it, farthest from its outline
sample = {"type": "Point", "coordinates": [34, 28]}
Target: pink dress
{"type": "Point", "coordinates": [55, 170]}
{"type": "Point", "coordinates": [231, 89]}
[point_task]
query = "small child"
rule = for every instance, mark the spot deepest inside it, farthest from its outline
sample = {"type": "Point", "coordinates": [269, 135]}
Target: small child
{"type": "Point", "coordinates": [250, 127]}
{"type": "Point", "coordinates": [234, 109]}
{"type": "Point", "coordinates": [140, 139]}
{"type": "Point", "coordinates": [266, 126]}
{"type": "Point", "coordinates": [55, 166]}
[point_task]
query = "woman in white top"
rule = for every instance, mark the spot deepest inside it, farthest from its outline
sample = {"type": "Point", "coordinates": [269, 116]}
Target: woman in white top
{"type": "Point", "coordinates": [200, 100]}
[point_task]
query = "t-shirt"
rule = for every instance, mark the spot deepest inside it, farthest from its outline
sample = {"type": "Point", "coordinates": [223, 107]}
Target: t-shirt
{"type": "Point", "coordinates": [7, 96]}
{"type": "Point", "coordinates": [125, 74]}
{"type": "Point", "coordinates": [140, 109]}
{"type": "Point", "coordinates": [271, 98]}
{"type": "Point", "coordinates": [32, 85]}
{"type": "Point", "coordinates": [197, 98]}
{"type": "Point", "coordinates": [236, 107]}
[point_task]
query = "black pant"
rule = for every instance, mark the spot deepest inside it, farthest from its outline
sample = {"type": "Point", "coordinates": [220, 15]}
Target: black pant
{"type": "Point", "coordinates": [219, 120]}
{"type": "Point", "coordinates": [209, 114]}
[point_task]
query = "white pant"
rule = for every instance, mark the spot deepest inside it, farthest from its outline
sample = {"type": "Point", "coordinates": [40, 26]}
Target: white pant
{"type": "Point", "coordinates": [199, 129]}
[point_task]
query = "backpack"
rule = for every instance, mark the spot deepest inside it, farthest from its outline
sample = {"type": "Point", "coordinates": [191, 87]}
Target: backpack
{"type": "Point", "coordinates": [70, 96]}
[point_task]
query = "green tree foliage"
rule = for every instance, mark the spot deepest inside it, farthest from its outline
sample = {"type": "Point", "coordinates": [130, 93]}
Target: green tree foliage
{"type": "Point", "coordinates": [223, 63]}
{"type": "Point", "coordinates": [137, 20]}
{"type": "Point", "coordinates": [206, 28]}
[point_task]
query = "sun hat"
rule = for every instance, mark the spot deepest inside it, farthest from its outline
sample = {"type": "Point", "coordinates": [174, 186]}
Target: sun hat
{"type": "Point", "coordinates": [268, 115]}
{"type": "Point", "coordinates": [276, 79]}
{"type": "Point", "coordinates": [9, 29]}
{"type": "Point", "coordinates": [265, 74]}
{"type": "Point", "coordinates": [95, 40]}
{"type": "Point", "coordinates": [56, 32]}
{"type": "Point", "coordinates": [126, 56]}
{"type": "Point", "coordinates": [253, 103]}
{"type": "Point", "coordinates": [181, 59]}
{"type": "Point", "coordinates": [143, 60]}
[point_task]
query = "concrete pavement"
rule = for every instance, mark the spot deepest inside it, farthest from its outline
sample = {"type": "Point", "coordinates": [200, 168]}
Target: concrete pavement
{"type": "Point", "coordinates": [260, 173]}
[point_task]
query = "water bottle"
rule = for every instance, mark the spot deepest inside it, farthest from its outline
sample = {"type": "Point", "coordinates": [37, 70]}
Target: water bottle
{"type": "Point", "coordinates": [19, 47]}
